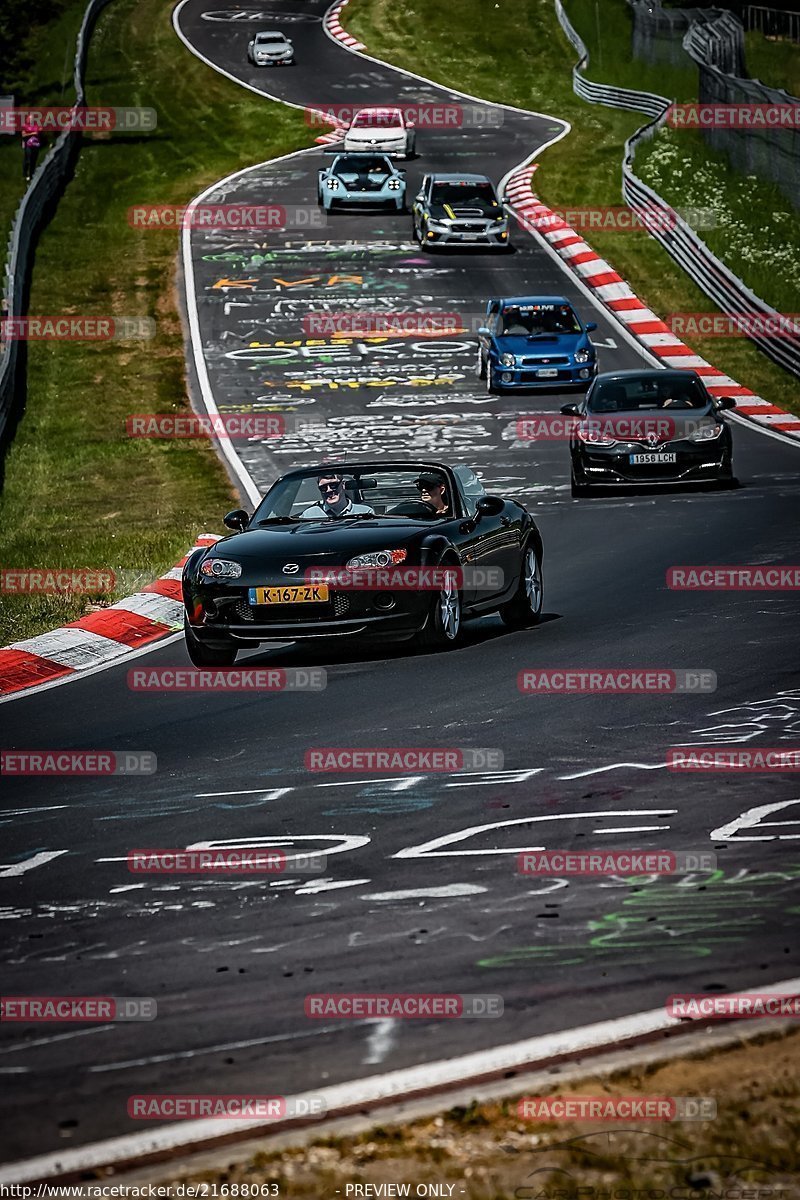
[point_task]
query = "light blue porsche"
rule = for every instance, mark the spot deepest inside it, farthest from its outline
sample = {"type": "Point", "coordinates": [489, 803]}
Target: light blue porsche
{"type": "Point", "coordinates": [361, 179]}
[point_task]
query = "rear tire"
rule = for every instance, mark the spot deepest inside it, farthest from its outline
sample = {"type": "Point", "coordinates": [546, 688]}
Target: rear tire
{"type": "Point", "coordinates": [526, 607]}
{"type": "Point", "coordinates": [442, 629]}
{"type": "Point", "coordinates": [207, 656]}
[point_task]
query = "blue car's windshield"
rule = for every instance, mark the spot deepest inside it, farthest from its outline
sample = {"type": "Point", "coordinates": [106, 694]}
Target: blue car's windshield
{"type": "Point", "coordinates": [361, 164]}
{"type": "Point", "coordinates": [539, 318]}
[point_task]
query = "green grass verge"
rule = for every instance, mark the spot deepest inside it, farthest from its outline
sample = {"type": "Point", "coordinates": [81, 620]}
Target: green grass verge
{"type": "Point", "coordinates": [775, 61]}
{"type": "Point", "coordinates": [78, 492]}
{"type": "Point", "coordinates": [585, 167]}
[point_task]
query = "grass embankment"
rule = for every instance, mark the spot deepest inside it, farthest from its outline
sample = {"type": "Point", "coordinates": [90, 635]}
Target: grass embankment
{"type": "Point", "coordinates": [78, 492]}
{"type": "Point", "coordinates": [775, 61]}
{"type": "Point", "coordinates": [583, 169]}
{"type": "Point", "coordinates": [751, 1150]}
{"type": "Point", "coordinates": [36, 68]}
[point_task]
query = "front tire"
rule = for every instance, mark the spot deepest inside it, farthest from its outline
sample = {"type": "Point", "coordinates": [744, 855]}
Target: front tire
{"type": "Point", "coordinates": [525, 609]}
{"type": "Point", "coordinates": [492, 388]}
{"type": "Point", "coordinates": [578, 489]}
{"type": "Point", "coordinates": [207, 656]}
{"type": "Point", "coordinates": [442, 629]}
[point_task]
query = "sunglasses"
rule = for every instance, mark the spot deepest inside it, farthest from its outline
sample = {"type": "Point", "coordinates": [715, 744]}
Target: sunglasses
{"type": "Point", "coordinates": [330, 487]}
{"type": "Point", "coordinates": [426, 487]}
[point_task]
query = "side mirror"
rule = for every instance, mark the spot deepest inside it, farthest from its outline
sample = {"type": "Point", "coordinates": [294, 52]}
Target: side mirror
{"type": "Point", "coordinates": [484, 329]}
{"type": "Point", "coordinates": [420, 196]}
{"type": "Point", "coordinates": [590, 326]}
{"type": "Point", "coordinates": [571, 410]}
{"type": "Point", "coordinates": [238, 520]}
{"type": "Point", "coordinates": [726, 402]}
{"type": "Point", "coordinates": [490, 506]}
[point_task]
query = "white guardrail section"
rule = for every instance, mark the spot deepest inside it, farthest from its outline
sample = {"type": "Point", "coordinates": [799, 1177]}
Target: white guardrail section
{"type": "Point", "coordinates": [49, 181]}
{"type": "Point", "coordinates": [691, 253]}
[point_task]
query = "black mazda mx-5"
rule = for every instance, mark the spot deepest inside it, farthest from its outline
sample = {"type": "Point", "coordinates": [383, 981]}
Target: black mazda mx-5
{"type": "Point", "coordinates": [380, 549]}
{"type": "Point", "coordinates": [649, 427]}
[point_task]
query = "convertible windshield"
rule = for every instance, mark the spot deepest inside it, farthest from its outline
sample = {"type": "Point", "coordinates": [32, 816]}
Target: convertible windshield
{"type": "Point", "coordinates": [481, 194]}
{"type": "Point", "coordinates": [360, 164]}
{"type": "Point", "coordinates": [643, 392]}
{"type": "Point", "coordinates": [538, 318]}
{"type": "Point", "coordinates": [354, 494]}
{"type": "Point", "coordinates": [376, 119]}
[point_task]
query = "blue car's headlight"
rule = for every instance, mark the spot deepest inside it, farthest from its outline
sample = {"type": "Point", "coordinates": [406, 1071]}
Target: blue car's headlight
{"type": "Point", "coordinates": [583, 356]}
{"type": "Point", "coordinates": [220, 568]}
{"type": "Point", "coordinates": [507, 360]}
{"type": "Point", "coordinates": [332, 184]}
{"type": "Point", "coordinates": [377, 558]}
{"type": "Point", "coordinates": [395, 184]}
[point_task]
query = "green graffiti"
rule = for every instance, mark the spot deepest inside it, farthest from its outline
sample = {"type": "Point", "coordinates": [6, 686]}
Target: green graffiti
{"type": "Point", "coordinates": [684, 918]}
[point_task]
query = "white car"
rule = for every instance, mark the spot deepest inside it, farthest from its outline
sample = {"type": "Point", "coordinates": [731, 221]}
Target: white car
{"type": "Point", "coordinates": [383, 130]}
{"type": "Point", "coordinates": [270, 50]}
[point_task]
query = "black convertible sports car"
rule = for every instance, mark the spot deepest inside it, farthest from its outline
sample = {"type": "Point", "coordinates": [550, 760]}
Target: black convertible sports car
{"type": "Point", "coordinates": [649, 427]}
{"type": "Point", "coordinates": [380, 549]}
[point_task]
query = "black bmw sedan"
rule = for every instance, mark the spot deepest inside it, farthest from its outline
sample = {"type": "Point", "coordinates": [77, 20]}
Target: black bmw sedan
{"type": "Point", "coordinates": [649, 427]}
{"type": "Point", "coordinates": [372, 550]}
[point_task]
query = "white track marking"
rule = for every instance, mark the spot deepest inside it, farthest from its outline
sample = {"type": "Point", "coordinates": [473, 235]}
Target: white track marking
{"type": "Point", "coordinates": [752, 819]}
{"type": "Point", "coordinates": [432, 849]}
{"type": "Point", "coordinates": [185, 1136]}
{"type": "Point", "coordinates": [616, 767]}
{"type": "Point", "coordinates": [29, 864]}
{"type": "Point", "coordinates": [432, 893]}
{"type": "Point", "coordinates": [380, 1039]}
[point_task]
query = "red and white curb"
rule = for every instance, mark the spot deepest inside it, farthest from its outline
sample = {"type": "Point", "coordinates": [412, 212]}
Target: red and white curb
{"type": "Point", "coordinates": [333, 26]}
{"type": "Point", "coordinates": [645, 325]}
{"type": "Point", "coordinates": [99, 637]}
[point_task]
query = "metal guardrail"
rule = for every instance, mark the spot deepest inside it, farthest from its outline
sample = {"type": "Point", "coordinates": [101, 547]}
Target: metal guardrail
{"type": "Point", "coordinates": [680, 241]}
{"type": "Point", "coordinates": [35, 208]}
{"type": "Point", "coordinates": [772, 22]}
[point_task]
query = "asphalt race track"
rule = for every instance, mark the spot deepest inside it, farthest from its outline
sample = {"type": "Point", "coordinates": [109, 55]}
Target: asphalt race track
{"type": "Point", "coordinates": [405, 903]}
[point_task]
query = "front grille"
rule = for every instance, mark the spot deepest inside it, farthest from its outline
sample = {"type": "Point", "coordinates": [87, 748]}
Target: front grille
{"type": "Point", "coordinates": [469, 227]}
{"type": "Point", "coordinates": [243, 610]}
{"type": "Point", "coordinates": [545, 362]}
{"type": "Point", "coordinates": [341, 603]}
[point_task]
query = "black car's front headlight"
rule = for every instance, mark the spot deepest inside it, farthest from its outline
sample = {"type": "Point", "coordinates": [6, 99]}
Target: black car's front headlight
{"type": "Point", "coordinates": [220, 568]}
{"type": "Point", "coordinates": [377, 558]}
{"type": "Point", "coordinates": [705, 433]}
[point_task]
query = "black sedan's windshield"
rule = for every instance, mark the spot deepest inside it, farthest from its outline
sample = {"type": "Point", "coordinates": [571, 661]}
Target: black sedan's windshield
{"type": "Point", "coordinates": [644, 392]}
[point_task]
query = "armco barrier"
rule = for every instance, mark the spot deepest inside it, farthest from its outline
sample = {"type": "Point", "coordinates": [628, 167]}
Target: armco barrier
{"type": "Point", "coordinates": [680, 241]}
{"type": "Point", "coordinates": [52, 176]}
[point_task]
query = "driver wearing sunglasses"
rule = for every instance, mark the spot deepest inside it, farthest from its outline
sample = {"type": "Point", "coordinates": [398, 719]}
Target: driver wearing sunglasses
{"type": "Point", "coordinates": [334, 501]}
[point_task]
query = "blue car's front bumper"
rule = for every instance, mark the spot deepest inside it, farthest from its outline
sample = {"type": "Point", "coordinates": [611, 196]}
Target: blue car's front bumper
{"type": "Point", "coordinates": [563, 375]}
{"type": "Point", "coordinates": [340, 196]}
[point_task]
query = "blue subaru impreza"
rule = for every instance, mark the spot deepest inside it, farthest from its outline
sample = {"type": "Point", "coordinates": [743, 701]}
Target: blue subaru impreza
{"type": "Point", "coordinates": [535, 342]}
